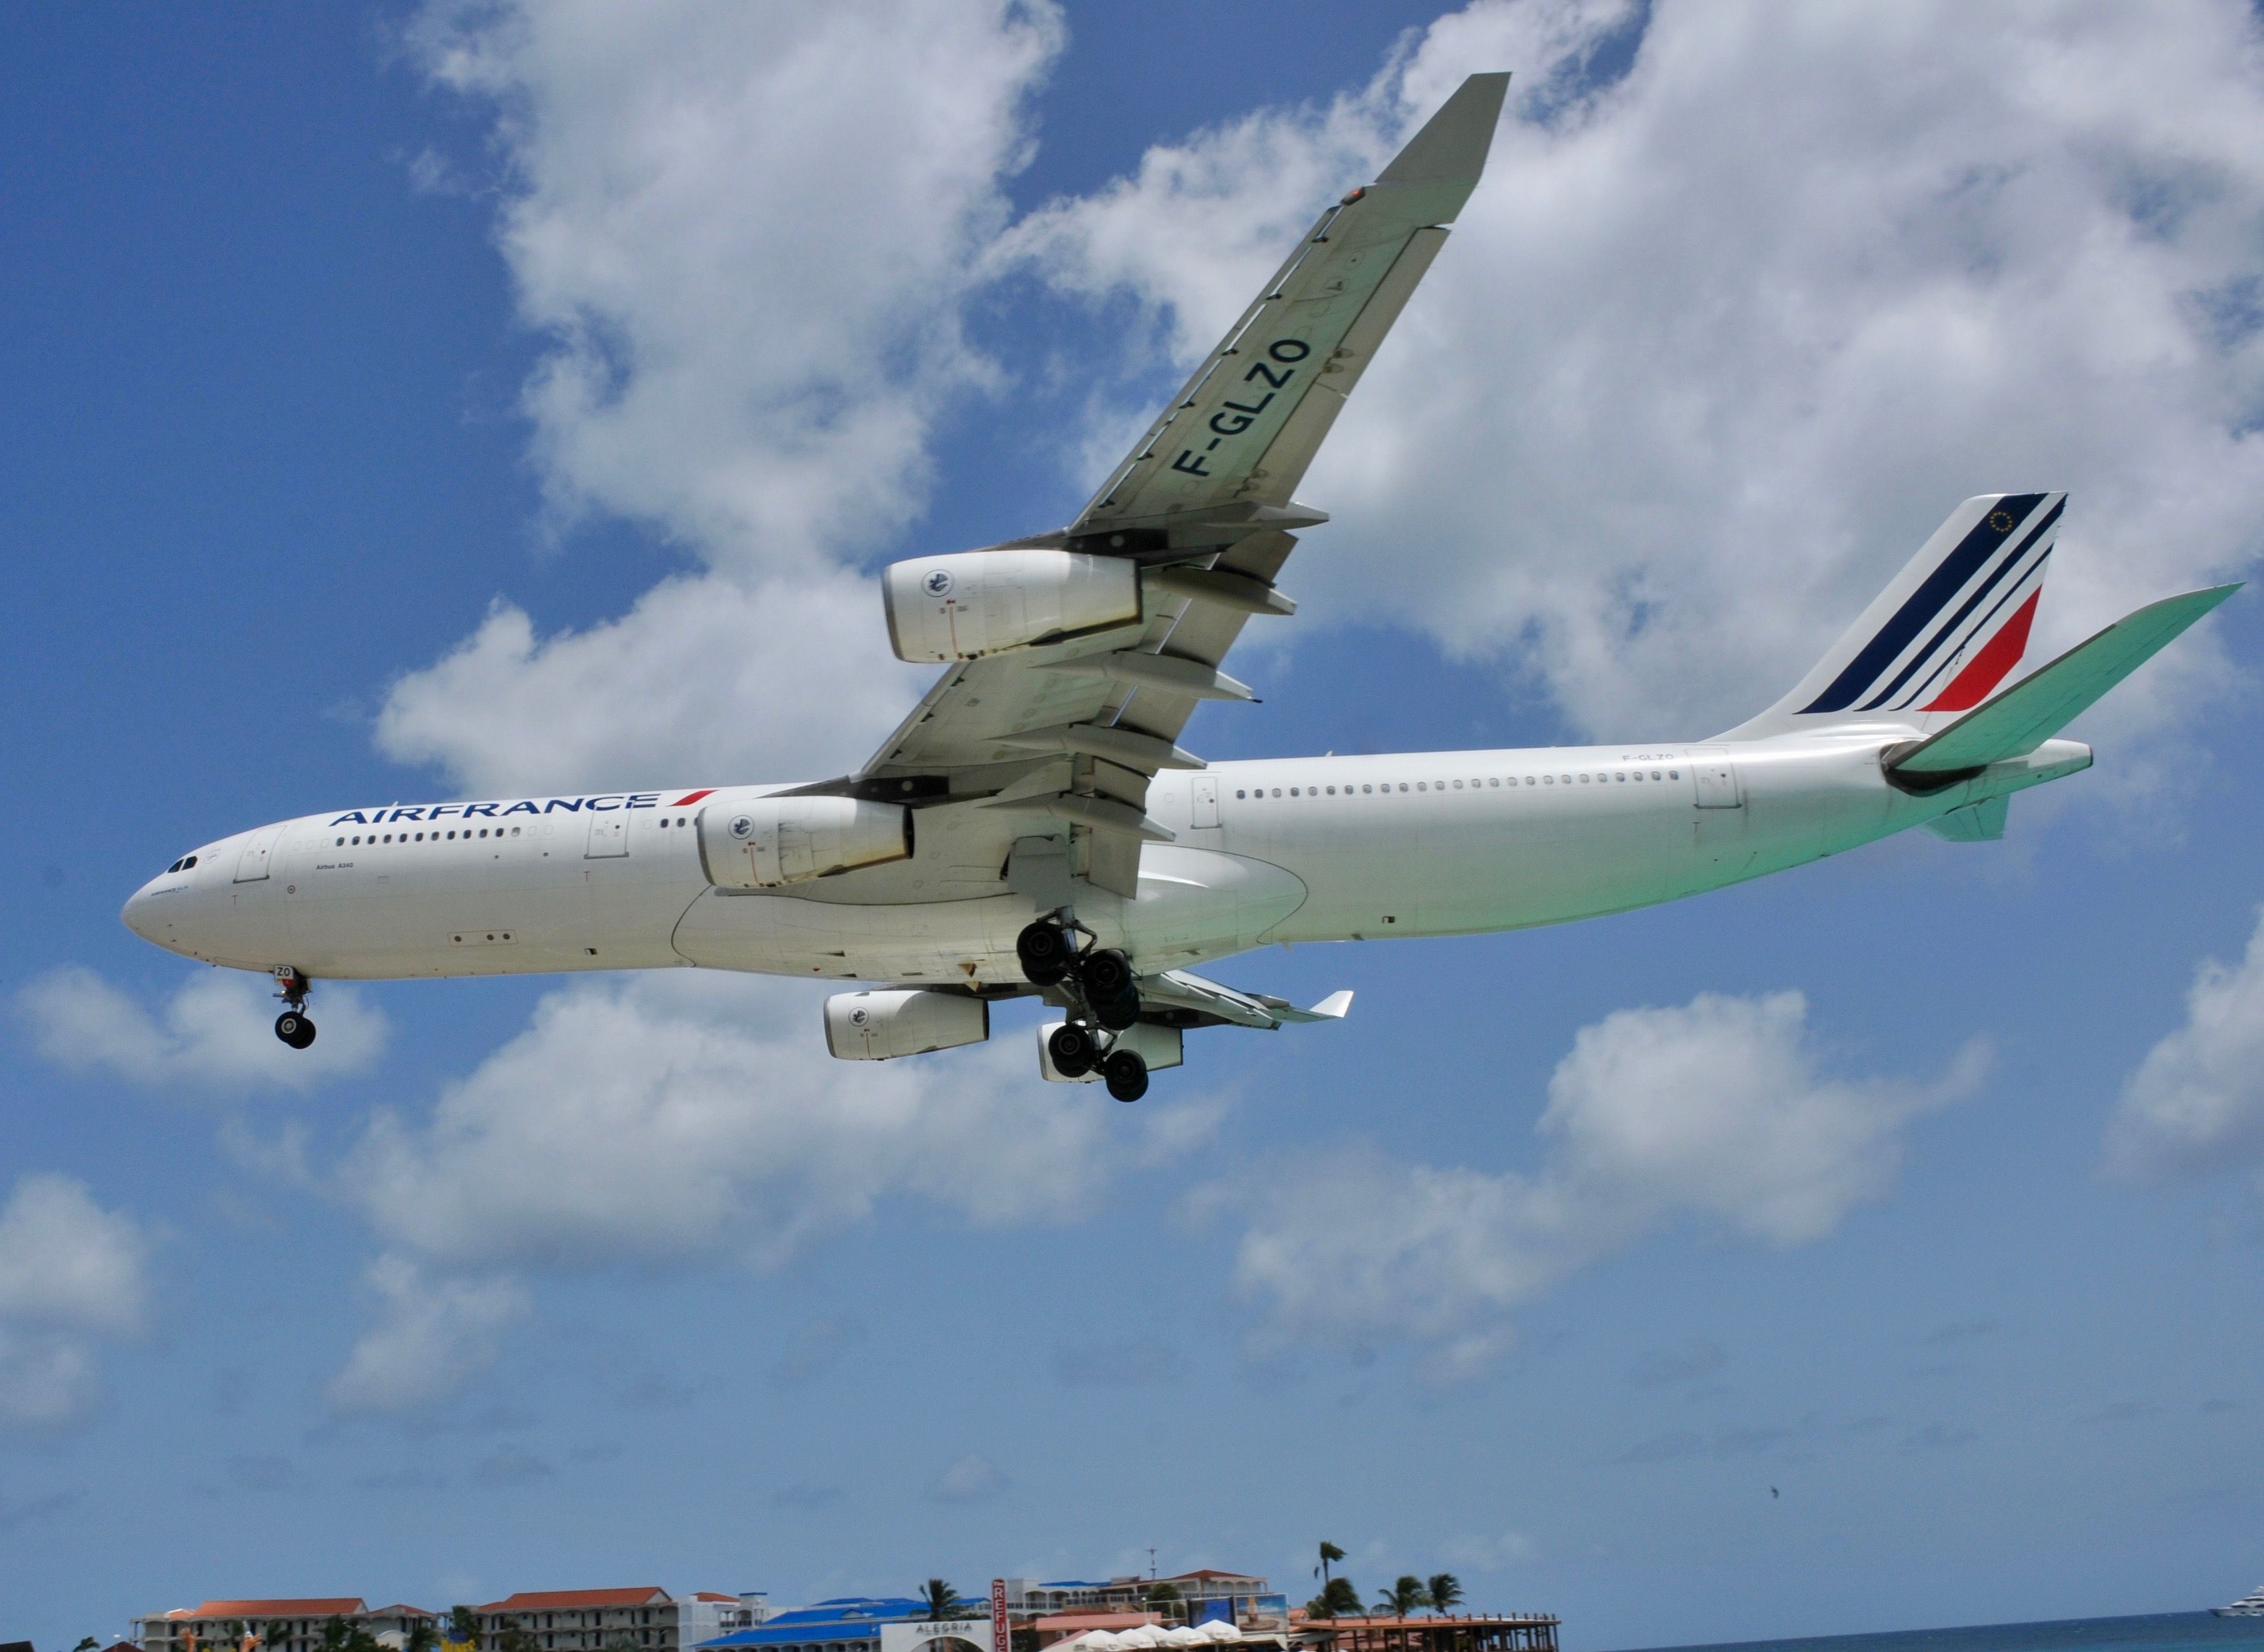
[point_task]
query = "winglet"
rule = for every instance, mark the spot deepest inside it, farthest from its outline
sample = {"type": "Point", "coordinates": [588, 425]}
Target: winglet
{"type": "Point", "coordinates": [1332, 1008]}
{"type": "Point", "coordinates": [1451, 148]}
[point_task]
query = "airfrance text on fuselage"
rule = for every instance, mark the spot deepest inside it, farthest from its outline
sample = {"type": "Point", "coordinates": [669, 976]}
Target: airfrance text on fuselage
{"type": "Point", "coordinates": [427, 813]}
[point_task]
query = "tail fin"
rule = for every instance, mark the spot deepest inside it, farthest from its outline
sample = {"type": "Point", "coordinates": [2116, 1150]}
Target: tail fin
{"type": "Point", "coordinates": [2045, 701]}
{"type": "Point", "coordinates": [1939, 639]}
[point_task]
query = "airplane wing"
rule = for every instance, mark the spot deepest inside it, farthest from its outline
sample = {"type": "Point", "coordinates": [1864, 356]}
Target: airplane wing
{"type": "Point", "coordinates": [1068, 733]}
{"type": "Point", "coordinates": [1182, 998]}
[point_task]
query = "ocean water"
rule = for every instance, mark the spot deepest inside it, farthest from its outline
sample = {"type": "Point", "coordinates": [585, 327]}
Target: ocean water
{"type": "Point", "coordinates": [2163, 1632]}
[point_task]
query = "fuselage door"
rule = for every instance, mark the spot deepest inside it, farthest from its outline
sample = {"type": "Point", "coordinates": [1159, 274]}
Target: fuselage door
{"type": "Point", "coordinates": [609, 836]}
{"type": "Point", "coordinates": [1206, 800]}
{"type": "Point", "coordinates": [1717, 781]}
{"type": "Point", "coordinates": [252, 865]}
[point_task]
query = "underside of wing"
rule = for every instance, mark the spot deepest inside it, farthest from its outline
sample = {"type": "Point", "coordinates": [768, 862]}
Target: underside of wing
{"type": "Point", "coordinates": [1076, 658]}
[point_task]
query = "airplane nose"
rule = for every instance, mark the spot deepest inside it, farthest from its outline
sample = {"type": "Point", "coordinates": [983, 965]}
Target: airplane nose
{"type": "Point", "coordinates": [135, 913]}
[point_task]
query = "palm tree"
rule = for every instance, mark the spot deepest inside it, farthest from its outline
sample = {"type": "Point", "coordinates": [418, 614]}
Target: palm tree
{"type": "Point", "coordinates": [1446, 1590]}
{"type": "Point", "coordinates": [1329, 1552]}
{"type": "Point", "coordinates": [941, 1599]}
{"type": "Point", "coordinates": [1403, 1597]}
{"type": "Point", "coordinates": [423, 1637]}
{"type": "Point", "coordinates": [464, 1626]}
{"type": "Point", "coordinates": [1340, 1599]}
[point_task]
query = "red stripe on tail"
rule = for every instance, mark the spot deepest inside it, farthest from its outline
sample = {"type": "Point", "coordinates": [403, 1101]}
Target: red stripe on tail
{"type": "Point", "coordinates": [1990, 667]}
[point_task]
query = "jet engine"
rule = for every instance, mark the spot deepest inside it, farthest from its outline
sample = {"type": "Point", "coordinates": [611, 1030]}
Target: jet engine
{"type": "Point", "coordinates": [760, 842]}
{"type": "Point", "coordinates": [976, 603]}
{"type": "Point", "coordinates": [878, 1027]}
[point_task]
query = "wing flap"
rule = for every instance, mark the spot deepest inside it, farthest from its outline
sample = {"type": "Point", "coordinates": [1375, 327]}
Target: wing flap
{"type": "Point", "coordinates": [2039, 705]}
{"type": "Point", "coordinates": [1185, 991]}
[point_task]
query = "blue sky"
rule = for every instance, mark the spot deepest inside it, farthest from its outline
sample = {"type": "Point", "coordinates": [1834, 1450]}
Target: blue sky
{"type": "Point", "coordinates": [343, 342]}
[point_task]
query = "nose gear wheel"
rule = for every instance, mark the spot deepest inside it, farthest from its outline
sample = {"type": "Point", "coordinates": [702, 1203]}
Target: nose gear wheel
{"type": "Point", "coordinates": [293, 1026]}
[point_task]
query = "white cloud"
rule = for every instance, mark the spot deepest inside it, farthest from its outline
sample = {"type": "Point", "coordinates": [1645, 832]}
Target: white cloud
{"type": "Point", "coordinates": [2196, 1102]}
{"type": "Point", "coordinates": [1702, 366]}
{"type": "Point", "coordinates": [705, 679]}
{"type": "Point", "coordinates": [216, 1031]}
{"type": "Point", "coordinates": [689, 1115]}
{"type": "Point", "coordinates": [1716, 1111]}
{"type": "Point", "coordinates": [747, 236]}
{"type": "Point", "coordinates": [430, 1335]}
{"type": "Point", "coordinates": [72, 1277]}
{"type": "Point", "coordinates": [1492, 1554]}
{"type": "Point", "coordinates": [969, 1480]}
{"type": "Point", "coordinates": [745, 233]}
{"type": "Point", "coordinates": [689, 1118]}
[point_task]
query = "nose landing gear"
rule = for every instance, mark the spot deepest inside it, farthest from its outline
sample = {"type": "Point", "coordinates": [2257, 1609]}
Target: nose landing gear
{"type": "Point", "coordinates": [293, 1026]}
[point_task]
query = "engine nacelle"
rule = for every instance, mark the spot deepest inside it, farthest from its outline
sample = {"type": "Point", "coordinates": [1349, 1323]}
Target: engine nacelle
{"type": "Point", "coordinates": [979, 602]}
{"type": "Point", "coordinates": [878, 1027]}
{"type": "Point", "coordinates": [1160, 1047]}
{"type": "Point", "coordinates": [760, 842]}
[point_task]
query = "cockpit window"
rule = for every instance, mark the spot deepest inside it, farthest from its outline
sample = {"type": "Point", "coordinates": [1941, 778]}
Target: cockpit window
{"type": "Point", "coordinates": [183, 864]}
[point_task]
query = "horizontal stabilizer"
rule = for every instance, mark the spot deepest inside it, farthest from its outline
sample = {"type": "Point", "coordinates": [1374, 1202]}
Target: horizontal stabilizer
{"type": "Point", "coordinates": [2039, 704]}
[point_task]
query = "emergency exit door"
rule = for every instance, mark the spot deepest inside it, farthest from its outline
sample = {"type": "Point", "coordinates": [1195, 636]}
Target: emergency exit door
{"type": "Point", "coordinates": [1205, 799]}
{"type": "Point", "coordinates": [609, 836]}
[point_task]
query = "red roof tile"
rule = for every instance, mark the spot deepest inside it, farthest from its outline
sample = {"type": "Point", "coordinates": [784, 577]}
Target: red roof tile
{"type": "Point", "coordinates": [571, 1600]}
{"type": "Point", "coordinates": [329, 1606]}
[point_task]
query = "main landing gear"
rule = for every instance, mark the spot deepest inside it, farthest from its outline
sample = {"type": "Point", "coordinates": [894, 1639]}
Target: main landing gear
{"type": "Point", "coordinates": [1102, 977]}
{"type": "Point", "coordinates": [293, 1026]}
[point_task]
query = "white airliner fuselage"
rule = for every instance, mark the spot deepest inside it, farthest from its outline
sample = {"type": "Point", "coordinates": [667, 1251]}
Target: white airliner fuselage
{"type": "Point", "coordinates": [1298, 850]}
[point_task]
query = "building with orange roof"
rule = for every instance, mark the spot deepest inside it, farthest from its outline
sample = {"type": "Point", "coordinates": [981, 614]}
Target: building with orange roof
{"type": "Point", "coordinates": [294, 1624]}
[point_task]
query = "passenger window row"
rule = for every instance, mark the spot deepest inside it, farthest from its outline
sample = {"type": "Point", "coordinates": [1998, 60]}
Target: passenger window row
{"type": "Point", "coordinates": [388, 838]}
{"type": "Point", "coordinates": [1621, 776]}
{"type": "Point", "coordinates": [406, 838]}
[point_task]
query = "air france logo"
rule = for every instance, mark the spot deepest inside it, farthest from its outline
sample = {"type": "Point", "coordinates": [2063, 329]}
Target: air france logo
{"type": "Point", "coordinates": [433, 813]}
{"type": "Point", "coordinates": [858, 1018]}
{"type": "Point", "coordinates": [938, 582]}
{"type": "Point", "coordinates": [743, 827]}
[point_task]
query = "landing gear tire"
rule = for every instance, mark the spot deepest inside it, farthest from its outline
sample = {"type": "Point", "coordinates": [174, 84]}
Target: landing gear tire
{"type": "Point", "coordinates": [1044, 952]}
{"type": "Point", "coordinates": [295, 1029]}
{"type": "Point", "coordinates": [1116, 1014]}
{"type": "Point", "coordinates": [1126, 1075]}
{"type": "Point", "coordinates": [1073, 1050]}
{"type": "Point", "coordinates": [1107, 975]}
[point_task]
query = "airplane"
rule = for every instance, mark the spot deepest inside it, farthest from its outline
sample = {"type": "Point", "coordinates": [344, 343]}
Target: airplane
{"type": "Point", "coordinates": [1035, 829]}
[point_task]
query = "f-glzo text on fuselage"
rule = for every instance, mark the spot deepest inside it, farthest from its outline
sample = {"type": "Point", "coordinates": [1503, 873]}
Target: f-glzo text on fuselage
{"type": "Point", "coordinates": [1034, 826]}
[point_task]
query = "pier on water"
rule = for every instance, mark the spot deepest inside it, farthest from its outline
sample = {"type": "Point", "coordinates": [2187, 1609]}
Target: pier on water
{"type": "Point", "coordinates": [1486, 1632]}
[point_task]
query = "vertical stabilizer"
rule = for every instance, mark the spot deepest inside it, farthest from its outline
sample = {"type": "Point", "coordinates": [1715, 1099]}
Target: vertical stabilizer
{"type": "Point", "coordinates": [1941, 637]}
